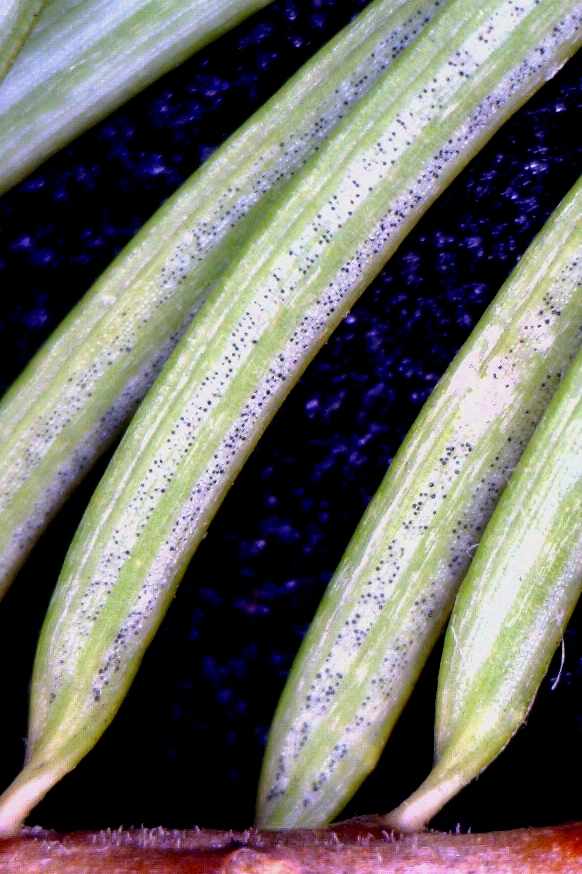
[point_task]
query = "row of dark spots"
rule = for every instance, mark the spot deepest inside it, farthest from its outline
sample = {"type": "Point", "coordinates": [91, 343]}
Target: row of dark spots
{"type": "Point", "coordinates": [240, 433]}
{"type": "Point", "coordinates": [132, 628]}
{"type": "Point", "coordinates": [82, 384]}
{"type": "Point", "coordinates": [357, 87]}
{"type": "Point", "coordinates": [47, 428]}
{"type": "Point", "coordinates": [204, 234]}
{"type": "Point", "coordinates": [425, 602]}
{"type": "Point", "coordinates": [134, 391]}
{"type": "Point", "coordinates": [468, 529]}
{"type": "Point", "coordinates": [180, 449]}
{"type": "Point", "coordinates": [276, 791]}
{"type": "Point", "coordinates": [485, 33]}
{"type": "Point", "coordinates": [398, 655]}
{"type": "Point", "coordinates": [518, 9]}
{"type": "Point", "coordinates": [388, 569]}
{"type": "Point", "coordinates": [323, 689]}
{"type": "Point", "coordinates": [322, 125]}
{"type": "Point", "coordinates": [478, 119]}
{"type": "Point", "coordinates": [304, 734]}
{"type": "Point", "coordinates": [530, 66]}
{"type": "Point", "coordinates": [89, 611]}
{"type": "Point", "coordinates": [339, 752]}
{"type": "Point", "coordinates": [145, 495]}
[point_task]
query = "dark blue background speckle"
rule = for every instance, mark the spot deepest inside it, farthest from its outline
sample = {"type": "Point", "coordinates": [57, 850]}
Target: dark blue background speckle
{"type": "Point", "coordinates": [186, 746]}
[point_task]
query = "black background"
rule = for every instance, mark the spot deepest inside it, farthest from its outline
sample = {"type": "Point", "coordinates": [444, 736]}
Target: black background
{"type": "Point", "coordinates": [186, 746]}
